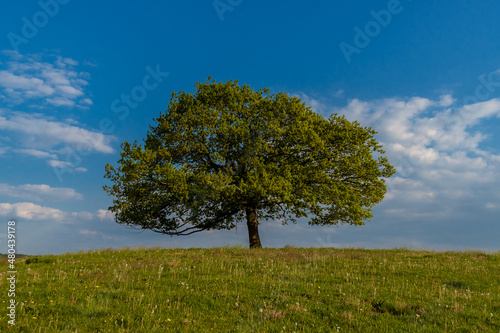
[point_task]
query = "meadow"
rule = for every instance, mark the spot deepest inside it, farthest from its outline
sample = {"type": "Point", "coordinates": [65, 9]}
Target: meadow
{"type": "Point", "coordinates": [234, 289]}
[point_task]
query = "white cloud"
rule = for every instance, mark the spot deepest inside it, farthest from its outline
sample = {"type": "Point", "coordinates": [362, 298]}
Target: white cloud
{"type": "Point", "coordinates": [87, 232]}
{"type": "Point", "coordinates": [38, 191]}
{"type": "Point", "coordinates": [66, 61]}
{"type": "Point", "coordinates": [54, 82]}
{"type": "Point", "coordinates": [36, 153]}
{"type": "Point", "coordinates": [31, 211]}
{"type": "Point", "coordinates": [69, 90]}
{"type": "Point", "coordinates": [105, 214]}
{"type": "Point", "coordinates": [59, 164]}
{"type": "Point", "coordinates": [31, 87]}
{"type": "Point", "coordinates": [45, 81]}
{"type": "Point", "coordinates": [42, 132]}
{"type": "Point", "coordinates": [94, 234]}
{"type": "Point", "coordinates": [87, 101]}
{"type": "Point", "coordinates": [339, 93]}
{"type": "Point", "coordinates": [406, 128]}
{"type": "Point", "coordinates": [439, 153]}
{"type": "Point", "coordinates": [82, 215]}
{"type": "Point", "coordinates": [65, 165]}
{"type": "Point", "coordinates": [58, 101]}
{"type": "Point", "coordinates": [446, 100]}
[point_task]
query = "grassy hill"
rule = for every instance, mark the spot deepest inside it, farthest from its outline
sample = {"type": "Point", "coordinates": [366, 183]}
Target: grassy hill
{"type": "Point", "coordinates": [267, 290]}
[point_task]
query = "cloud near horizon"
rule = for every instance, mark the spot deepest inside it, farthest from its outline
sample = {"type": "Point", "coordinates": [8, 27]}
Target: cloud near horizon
{"type": "Point", "coordinates": [31, 211]}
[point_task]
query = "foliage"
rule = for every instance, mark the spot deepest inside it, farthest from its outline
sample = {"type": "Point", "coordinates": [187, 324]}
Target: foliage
{"type": "Point", "coordinates": [217, 156]}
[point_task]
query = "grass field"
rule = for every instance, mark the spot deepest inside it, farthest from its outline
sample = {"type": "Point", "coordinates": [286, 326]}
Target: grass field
{"type": "Point", "coordinates": [267, 290]}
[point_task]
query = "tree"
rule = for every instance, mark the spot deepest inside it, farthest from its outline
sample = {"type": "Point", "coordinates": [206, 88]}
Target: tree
{"type": "Point", "coordinates": [228, 153]}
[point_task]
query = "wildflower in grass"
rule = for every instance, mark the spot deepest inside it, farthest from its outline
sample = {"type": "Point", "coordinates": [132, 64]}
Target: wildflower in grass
{"type": "Point", "coordinates": [169, 319]}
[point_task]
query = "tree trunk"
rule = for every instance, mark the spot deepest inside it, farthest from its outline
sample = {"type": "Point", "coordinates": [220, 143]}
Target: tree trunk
{"type": "Point", "coordinates": [253, 228]}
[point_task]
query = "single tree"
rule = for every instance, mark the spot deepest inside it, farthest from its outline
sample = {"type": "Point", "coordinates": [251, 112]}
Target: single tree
{"type": "Point", "coordinates": [228, 153]}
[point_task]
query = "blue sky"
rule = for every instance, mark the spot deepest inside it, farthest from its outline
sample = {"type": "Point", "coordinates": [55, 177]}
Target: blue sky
{"type": "Point", "coordinates": [78, 78]}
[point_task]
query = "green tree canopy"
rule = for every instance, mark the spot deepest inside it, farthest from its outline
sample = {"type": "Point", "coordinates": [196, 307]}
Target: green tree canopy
{"type": "Point", "coordinates": [228, 153]}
